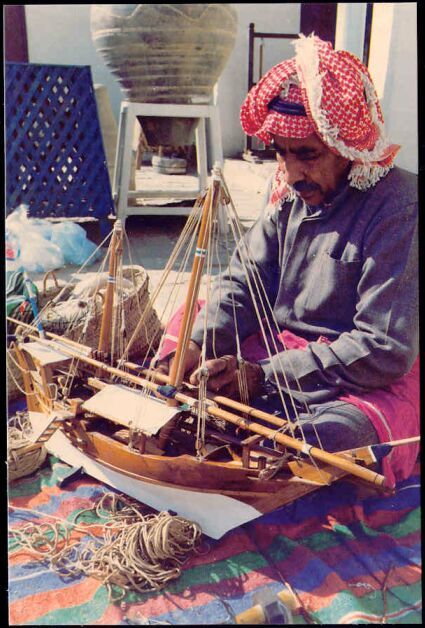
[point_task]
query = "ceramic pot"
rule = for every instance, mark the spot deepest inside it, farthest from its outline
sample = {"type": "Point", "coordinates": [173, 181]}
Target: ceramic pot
{"type": "Point", "coordinates": [165, 53]}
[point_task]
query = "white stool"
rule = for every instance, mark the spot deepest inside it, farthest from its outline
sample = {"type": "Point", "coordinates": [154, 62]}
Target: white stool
{"type": "Point", "coordinates": [122, 172]}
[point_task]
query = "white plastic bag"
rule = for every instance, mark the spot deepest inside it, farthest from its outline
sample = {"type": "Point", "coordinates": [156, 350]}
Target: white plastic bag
{"type": "Point", "coordinates": [73, 242]}
{"type": "Point", "coordinates": [39, 255]}
{"type": "Point", "coordinates": [44, 246]}
{"type": "Point", "coordinates": [94, 282]}
{"type": "Point", "coordinates": [35, 252]}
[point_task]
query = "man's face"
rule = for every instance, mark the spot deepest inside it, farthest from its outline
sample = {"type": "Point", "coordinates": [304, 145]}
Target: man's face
{"type": "Point", "coordinates": [310, 167]}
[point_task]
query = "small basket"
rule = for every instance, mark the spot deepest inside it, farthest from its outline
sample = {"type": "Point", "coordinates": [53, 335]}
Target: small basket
{"type": "Point", "coordinates": [48, 292]}
{"type": "Point", "coordinates": [134, 305]}
{"type": "Point", "coordinates": [23, 456]}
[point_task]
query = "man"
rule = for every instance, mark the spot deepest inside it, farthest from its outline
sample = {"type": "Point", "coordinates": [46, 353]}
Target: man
{"type": "Point", "coordinates": [336, 250]}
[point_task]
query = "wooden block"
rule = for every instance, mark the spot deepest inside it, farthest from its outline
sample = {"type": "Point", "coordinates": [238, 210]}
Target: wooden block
{"type": "Point", "coordinates": [309, 472]}
{"type": "Point", "coordinates": [76, 405]}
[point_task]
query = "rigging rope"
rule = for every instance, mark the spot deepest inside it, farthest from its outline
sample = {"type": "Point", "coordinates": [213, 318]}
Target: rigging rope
{"type": "Point", "coordinates": [193, 217]}
{"type": "Point", "coordinates": [189, 233]}
{"type": "Point", "coordinates": [261, 289]}
{"type": "Point", "coordinates": [261, 292]}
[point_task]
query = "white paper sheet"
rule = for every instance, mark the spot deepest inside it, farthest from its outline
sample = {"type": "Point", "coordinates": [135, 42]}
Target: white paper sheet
{"type": "Point", "coordinates": [131, 407]}
{"type": "Point", "coordinates": [215, 513]}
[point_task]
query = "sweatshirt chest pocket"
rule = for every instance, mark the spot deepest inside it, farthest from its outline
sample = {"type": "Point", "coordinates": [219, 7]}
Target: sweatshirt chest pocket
{"type": "Point", "coordinates": [331, 286]}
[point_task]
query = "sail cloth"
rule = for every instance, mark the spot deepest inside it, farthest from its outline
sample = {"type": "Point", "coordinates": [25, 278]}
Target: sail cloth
{"type": "Point", "coordinates": [394, 411]}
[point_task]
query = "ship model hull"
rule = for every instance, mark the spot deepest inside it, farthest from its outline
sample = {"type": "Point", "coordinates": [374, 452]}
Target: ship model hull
{"type": "Point", "coordinates": [219, 496]}
{"type": "Point", "coordinates": [215, 460]}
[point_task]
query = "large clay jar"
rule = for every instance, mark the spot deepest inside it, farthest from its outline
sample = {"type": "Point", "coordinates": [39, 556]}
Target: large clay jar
{"type": "Point", "coordinates": [165, 53]}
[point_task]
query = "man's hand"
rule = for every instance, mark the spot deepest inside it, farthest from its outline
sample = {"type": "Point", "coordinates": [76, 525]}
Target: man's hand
{"type": "Point", "coordinates": [223, 376]}
{"type": "Point", "coordinates": [192, 360]}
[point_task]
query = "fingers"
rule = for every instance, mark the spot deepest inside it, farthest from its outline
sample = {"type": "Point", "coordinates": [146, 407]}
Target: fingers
{"type": "Point", "coordinates": [214, 368]}
{"type": "Point", "coordinates": [163, 367]}
{"type": "Point", "coordinates": [192, 358]}
{"type": "Point", "coordinates": [221, 373]}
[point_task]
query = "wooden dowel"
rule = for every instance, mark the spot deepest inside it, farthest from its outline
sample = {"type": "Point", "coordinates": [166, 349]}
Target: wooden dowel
{"type": "Point", "coordinates": [209, 209]}
{"type": "Point", "coordinates": [50, 334]}
{"type": "Point", "coordinates": [390, 443]}
{"type": "Point", "coordinates": [293, 443]}
{"type": "Point", "coordinates": [114, 251]}
{"type": "Point", "coordinates": [402, 441]}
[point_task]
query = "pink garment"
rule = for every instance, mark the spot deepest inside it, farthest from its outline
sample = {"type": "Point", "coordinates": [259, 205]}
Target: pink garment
{"type": "Point", "coordinates": [172, 330]}
{"type": "Point", "coordinates": [393, 411]}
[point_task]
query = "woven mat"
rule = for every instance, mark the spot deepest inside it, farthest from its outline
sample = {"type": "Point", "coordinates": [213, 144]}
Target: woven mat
{"type": "Point", "coordinates": [334, 550]}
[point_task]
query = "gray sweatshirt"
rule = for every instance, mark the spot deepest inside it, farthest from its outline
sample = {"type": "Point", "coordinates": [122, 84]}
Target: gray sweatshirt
{"type": "Point", "coordinates": [347, 270]}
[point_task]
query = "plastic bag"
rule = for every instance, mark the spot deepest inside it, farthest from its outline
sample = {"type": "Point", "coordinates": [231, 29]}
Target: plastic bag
{"type": "Point", "coordinates": [41, 246]}
{"type": "Point", "coordinates": [17, 220]}
{"type": "Point", "coordinates": [30, 239]}
{"type": "Point", "coordinates": [39, 255]}
{"type": "Point", "coordinates": [73, 242]}
{"type": "Point", "coordinates": [44, 227]}
{"type": "Point", "coordinates": [13, 251]}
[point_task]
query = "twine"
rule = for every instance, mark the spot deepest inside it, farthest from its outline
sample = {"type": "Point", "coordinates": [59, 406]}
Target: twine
{"type": "Point", "coordinates": [127, 549]}
{"type": "Point", "coordinates": [23, 456]}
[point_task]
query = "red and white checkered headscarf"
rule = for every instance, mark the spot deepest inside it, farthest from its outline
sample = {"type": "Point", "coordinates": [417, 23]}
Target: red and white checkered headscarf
{"type": "Point", "coordinates": [340, 103]}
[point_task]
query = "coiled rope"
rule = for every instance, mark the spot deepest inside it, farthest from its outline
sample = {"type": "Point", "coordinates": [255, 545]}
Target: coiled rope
{"type": "Point", "coordinates": [125, 549]}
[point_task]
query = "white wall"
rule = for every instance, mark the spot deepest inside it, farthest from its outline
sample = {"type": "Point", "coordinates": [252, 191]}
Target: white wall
{"type": "Point", "coordinates": [350, 27]}
{"type": "Point", "coordinates": [392, 64]}
{"type": "Point", "coordinates": [61, 34]}
{"type": "Point", "coordinates": [233, 84]}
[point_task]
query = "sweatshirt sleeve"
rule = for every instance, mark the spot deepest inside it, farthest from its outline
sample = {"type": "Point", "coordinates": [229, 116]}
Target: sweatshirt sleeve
{"type": "Point", "coordinates": [383, 343]}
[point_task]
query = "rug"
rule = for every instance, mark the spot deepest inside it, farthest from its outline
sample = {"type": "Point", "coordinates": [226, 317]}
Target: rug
{"type": "Point", "coordinates": [350, 560]}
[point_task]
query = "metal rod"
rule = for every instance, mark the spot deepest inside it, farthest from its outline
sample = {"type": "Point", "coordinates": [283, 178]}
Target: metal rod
{"type": "Point", "coordinates": [276, 35]}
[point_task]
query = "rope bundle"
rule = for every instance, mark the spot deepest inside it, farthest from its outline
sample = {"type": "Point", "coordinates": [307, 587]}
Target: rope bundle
{"type": "Point", "coordinates": [23, 456]}
{"type": "Point", "coordinates": [127, 549]}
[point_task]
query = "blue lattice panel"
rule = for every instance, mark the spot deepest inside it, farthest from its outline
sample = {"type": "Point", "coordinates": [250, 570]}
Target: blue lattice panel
{"type": "Point", "coordinates": [55, 159]}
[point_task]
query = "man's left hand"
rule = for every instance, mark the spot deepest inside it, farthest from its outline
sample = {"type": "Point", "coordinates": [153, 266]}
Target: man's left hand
{"type": "Point", "coordinates": [223, 376]}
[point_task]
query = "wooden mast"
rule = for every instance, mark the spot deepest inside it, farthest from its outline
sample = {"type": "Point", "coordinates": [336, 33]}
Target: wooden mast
{"type": "Point", "coordinates": [115, 250]}
{"type": "Point", "coordinates": [209, 209]}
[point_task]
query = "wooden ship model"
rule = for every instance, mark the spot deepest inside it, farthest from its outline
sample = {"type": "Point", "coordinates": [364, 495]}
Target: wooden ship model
{"type": "Point", "coordinates": [215, 460]}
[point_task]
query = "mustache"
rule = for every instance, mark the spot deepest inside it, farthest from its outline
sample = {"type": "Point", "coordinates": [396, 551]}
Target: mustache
{"type": "Point", "coordinates": [303, 186]}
